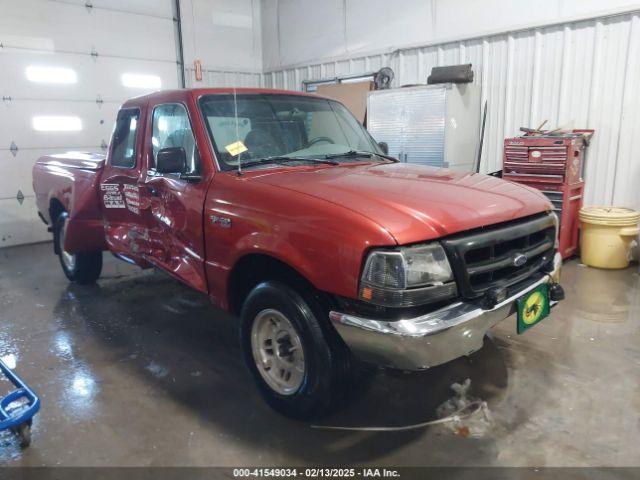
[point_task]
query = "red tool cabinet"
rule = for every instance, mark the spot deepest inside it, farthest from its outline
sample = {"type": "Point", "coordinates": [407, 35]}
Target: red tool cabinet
{"type": "Point", "coordinates": [552, 163]}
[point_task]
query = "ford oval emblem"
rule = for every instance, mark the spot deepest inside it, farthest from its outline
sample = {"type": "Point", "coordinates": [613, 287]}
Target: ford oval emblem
{"type": "Point", "coordinates": [519, 259]}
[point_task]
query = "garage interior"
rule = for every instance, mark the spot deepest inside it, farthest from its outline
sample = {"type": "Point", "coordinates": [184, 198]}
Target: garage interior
{"type": "Point", "coordinates": [140, 370]}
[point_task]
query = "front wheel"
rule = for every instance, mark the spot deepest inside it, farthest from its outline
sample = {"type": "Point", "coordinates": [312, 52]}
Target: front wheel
{"type": "Point", "coordinates": [300, 369]}
{"type": "Point", "coordinates": [83, 268]}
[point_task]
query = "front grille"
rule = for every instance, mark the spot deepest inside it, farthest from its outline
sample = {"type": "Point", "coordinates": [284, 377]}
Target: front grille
{"type": "Point", "coordinates": [485, 259]}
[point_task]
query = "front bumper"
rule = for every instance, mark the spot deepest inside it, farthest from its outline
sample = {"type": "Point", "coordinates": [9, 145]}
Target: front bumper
{"type": "Point", "coordinates": [432, 339]}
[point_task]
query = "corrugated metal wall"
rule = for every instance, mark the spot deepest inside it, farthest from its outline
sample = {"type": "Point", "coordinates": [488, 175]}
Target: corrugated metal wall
{"type": "Point", "coordinates": [584, 74]}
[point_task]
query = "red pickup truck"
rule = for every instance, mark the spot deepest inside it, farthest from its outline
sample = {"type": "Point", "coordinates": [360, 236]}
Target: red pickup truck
{"type": "Point", "coordinates": [282, 208]}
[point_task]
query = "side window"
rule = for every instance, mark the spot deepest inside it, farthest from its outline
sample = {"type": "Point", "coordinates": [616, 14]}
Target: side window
{"type": "Point", "coordinates": [123, 153]}
{"type": "Point", "coordinates": [171, 128]}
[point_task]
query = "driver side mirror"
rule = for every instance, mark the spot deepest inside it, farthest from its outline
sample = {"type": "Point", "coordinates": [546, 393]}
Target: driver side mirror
{"type": "Point", "coordinates": [171, 160]}
{"type": "Point", "coordinates": [384, 147]}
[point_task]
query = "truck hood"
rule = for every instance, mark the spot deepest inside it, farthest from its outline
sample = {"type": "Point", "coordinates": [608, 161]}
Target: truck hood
{"type": "Point", "coordinates": [413, 202]}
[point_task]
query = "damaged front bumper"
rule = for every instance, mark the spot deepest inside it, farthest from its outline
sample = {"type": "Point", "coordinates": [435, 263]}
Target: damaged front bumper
{"type": "Point", "coordinates": [431, 339]}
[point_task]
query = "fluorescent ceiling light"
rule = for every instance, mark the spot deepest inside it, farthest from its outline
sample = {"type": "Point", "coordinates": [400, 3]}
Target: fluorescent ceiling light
{"type": "Point", "coordinates": [56, 124]}
{"type": "Point", "coordinates": [51, 74]}
{"type": "Point", "coordinates": [136, 80]}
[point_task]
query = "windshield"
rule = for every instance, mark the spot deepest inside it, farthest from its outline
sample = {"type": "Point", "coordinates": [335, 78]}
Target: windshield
{"type": "Point", "coordinates": [274, 125]}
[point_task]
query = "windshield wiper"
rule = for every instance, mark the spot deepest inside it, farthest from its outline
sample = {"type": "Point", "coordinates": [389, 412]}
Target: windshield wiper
{"type": "Point", "coordinates": [285, 159]}
{"type": "Point", "coordinates": [359, 154]}
{"type": "Point", "coordinates": [388, 157]}
{"type": "Point", "coordinates": [350, 153]}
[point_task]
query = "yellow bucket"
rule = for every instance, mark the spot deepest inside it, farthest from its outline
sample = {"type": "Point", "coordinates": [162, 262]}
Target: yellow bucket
{"type": "Point", "coordinates": [607, 236]}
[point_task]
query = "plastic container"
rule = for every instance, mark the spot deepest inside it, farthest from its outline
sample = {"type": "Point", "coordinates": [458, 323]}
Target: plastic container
{"type": "Point", "coordinates": [608, 234]}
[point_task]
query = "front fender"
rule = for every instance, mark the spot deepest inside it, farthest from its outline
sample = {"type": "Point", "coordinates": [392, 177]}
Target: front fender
{"type": "Point", "coordinates": [278, 248]}
{"type": "Point", "coordinates": [324, 242]}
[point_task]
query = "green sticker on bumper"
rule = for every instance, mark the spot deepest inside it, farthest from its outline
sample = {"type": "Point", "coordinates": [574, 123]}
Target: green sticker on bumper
{"type": "Point", "coordinates": [533, 307]}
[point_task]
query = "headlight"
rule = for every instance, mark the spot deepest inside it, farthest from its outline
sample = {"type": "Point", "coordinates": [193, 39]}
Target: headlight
{"type": "Point", "coordinates": [407, 276]}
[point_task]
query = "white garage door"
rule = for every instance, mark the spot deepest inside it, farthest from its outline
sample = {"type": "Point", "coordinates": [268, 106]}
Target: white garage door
{"type": "Point", "coordinates": [65, 68]}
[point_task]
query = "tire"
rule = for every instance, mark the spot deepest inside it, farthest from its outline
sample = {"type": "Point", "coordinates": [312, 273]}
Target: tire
{"type": "Point", "coordinates": [277, 308]}
{"type": "Point", "coordinates": [82, 268]}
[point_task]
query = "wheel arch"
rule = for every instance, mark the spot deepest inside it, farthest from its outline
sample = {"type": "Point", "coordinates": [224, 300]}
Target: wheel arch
{"type": "Point", "coordinates": [254, 268]}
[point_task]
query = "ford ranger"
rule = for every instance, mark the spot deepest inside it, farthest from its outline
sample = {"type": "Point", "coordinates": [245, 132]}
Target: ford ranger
{"type": "Point", "coordinates": [283, 210]}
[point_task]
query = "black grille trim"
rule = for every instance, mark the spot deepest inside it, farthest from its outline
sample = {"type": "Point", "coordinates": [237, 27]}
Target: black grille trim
{"type": "Point", "coordinates": [483, 260]}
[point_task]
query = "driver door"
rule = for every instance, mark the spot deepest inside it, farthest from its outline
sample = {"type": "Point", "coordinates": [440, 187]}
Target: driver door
{"type": "Point", "coordinates": [171, 206]}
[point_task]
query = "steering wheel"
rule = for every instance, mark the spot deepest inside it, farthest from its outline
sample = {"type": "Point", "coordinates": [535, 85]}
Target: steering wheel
{"type": "Point", "coordinates": [319, 139]}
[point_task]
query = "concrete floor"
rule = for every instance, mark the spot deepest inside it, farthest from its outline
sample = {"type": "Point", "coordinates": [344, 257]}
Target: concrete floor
{"type": "Point", "coordinates": [140, 370]}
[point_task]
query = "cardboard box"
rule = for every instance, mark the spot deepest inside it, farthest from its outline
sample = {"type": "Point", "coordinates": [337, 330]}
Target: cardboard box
{"type": "Point", "coordinates": [351, 95]}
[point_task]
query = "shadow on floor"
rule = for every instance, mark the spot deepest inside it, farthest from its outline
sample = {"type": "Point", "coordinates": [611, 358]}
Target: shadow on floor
{"type": "Point", "coordinates": [176, 342]}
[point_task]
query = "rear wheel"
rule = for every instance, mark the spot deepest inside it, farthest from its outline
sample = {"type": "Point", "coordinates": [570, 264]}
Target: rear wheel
{"type": "Point", "coordinates": [83, 268]}
{"type": "Point", "coordinates": [300, 368]}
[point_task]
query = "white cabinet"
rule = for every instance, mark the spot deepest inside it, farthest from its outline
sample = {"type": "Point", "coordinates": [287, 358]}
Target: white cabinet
{"type": "Point", "coordinates": [435, 125]}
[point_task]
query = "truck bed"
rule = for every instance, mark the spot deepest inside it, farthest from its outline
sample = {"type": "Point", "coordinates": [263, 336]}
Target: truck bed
{"type": "Point", "coordinates": [69, 182]}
